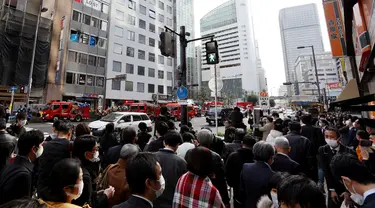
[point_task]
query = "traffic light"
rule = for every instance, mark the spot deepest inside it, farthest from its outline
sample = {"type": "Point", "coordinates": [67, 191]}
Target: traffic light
{"type": "Point", "coordinates": [22, 89]}
{"type": "Point", "coordinates": [166, 44]}
{"type": "Point", "coordinates": [212, 52]}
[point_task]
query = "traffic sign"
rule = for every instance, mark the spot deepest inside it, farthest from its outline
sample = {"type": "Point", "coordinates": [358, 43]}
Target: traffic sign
{"type": "Point", "coordinates": [211, 84]}
{"type": "Point", "coordinates": [264, 100]}
{"type": "Point", "coordinates": [182, 93]}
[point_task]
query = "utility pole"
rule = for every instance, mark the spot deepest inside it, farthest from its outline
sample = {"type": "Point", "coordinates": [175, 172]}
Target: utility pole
{"type": "Point", "coordinates": [183, 45]}
{"type": "Point", "coordinates": [316, 74]}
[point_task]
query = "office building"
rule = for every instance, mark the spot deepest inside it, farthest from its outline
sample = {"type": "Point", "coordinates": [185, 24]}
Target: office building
{"type": "Point", "coordinates": [261, 74]}
{"type": "Point", "coordinates": [133, 50]}
{"type": "Point", "coordinates": [299, 26]}
{"type": "Point", "coordinates": [327, 73]}
{"type": "Point", "coordinates": [283, 91]}
{"type": "Point", "coordinates": [231, 23]}
{"type": "Point", "coordinates": [198, 64]}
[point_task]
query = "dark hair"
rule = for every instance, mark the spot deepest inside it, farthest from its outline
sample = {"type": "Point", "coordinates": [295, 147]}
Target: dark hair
{"type": "Point", "coordinates": [56, 124]}
{"type": "Point", "coordinates": [363, 134]}
{"type": "Point", "coordinates": [275, 115]}
{"type": "Point", "coordinates": [249, 141]}
{"type": "Point", "coordinates": [236, 109]}
{"type": "Point", "coordinates": [24, 203]}
{"type": "Point", "coordinates": [278, 125]}
{"type": "Point", "coordinates": [361, 122]}
{"type": "Point", "coordinates": [300, 190]}
{"type": "Point", "coordinates": [161, 128]}
{"type": "Point", "coordinates": [190, 125]}
{"type": "Point", "coordinates": [307, 119]}
{"type": "Point", "coordinates": [184, 128]}
{"type": "Point", "coordinates": [21, 116]}
{"type": "Point", "coordinates": [199, 161]}
{"type": "Point", "coordinates": [3, 124]}
{"type": "Point", "coordinates": [64, 173]}
{"type": "Point", "coordinates": [82, 129]}
{"type": "Point", "coordinates": [139, 169]}
{"type": "Point", "coordinates": [240, 133]}
{"type": "Point", "coordinates": [64, 126]}
{"type": "Point", "coordinates": [294, 126]}
{"type": "Point", "coordinates": [142, 126]}
{"type": "Point", "coordinates": [82, 145]}
{"type": "Point", "coordinates": [109, 128]}
{"type": "Point", "coordinates": [188, 137]}
{"type": "Point", "coordinates": [330, 128]}
{"type": "Point", "coordinates": [172, 139]}
{"type": "Point", "coordinates": [230, 134]}
{"type": "Point", "coordinates": [263, 151]}
{"type": "Point", "coordinates": [324, 121]}
{"type": "Point", "coordinates": [354, 118]}
{"type": "Point", "coordinates": [276, 179]}
{"type": "Point", "coordinates": [270, 119]}
{"type": "Point", "coordinates": [28, 140]}
{"type": "Point", "coordinates": [171, 125]}
{"type": "Point", "coordinates": [349, 166]}
{"type": "Point", "coordinates": [163, 110]}
{"type": "Point", "coordinates": [128, 135]}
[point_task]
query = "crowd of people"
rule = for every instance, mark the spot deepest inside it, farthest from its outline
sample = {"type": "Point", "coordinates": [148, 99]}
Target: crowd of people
{"type": "Point", "coordinates": [293, 163]}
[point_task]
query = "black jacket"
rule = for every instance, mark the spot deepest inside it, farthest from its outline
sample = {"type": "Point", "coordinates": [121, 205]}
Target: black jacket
{"type": "Point", "coordinates": [108, 141]}
{"type": "Point", "coordinates": [8, 144]}
{"type": "Point", "coordinates": [230, 148]}
{"type": "Point", "coordinates": [155, 145]}
{"type": "Point", "coordinates": [254, 183]}
{"type": "Point", "coordinates": [134, 202]}
{"type": "Point", "coordinates": [16, 180]}
{"type": "Point", "coordinates": [54, 151]}
{"type": "Point", "coordinates": [112, 155]}
{"type": "Point", "coordinates": [234, 167]}
{"type": "Point", "coordinates": [173, 167]}
{"type": "Point", "coordinates": [16, 130]}
{"type": "Point", "coordinates": [344, 132]}
{"type": "Point", "coordinates": [316, 137]}
{"type": "Point", "coordinates": [300, 152]}
{"type": "Point", "coordinates": [236, 117]}
{"type": "Point", "coordinates": [142, 139]}
{"type": "Point", "coordinates": [325, 157]}
{"type": "Point", "coordinates": [219, 180]}
{"type": "Point", "coordinates": [369, 201]}
{"type": "Point", "coordinates": [283, 163]}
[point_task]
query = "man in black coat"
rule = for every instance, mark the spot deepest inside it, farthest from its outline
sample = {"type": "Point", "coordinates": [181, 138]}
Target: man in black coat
{"type": "Point", "coordinates": [281, 161]}
{"type": "Point", "coordinates": [237, 118]}
{"type": "Point", "coordinates": [7, 144]}
{"type": "Point", "coordinates": [18, 128]}
{"type": "Point", "coordinates": [16, 180]}
{"type": "Point", "coordinates": [234, 165]}
{"type": "Point", "coordinates": [255, 176]}
{"type": "Point", "coordinates": [235, 144]}
{"type": "Point", "coordinates": [326, 153]}
{"type": "Point", "coordinates": [356, 177]}
{"type": "Point", "coordinates": [155, 145]}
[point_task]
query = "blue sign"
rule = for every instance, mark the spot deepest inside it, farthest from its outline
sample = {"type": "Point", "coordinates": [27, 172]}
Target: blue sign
{"type": "Point", "coordinates": [92, 41]}
{"type": "Point", "coordinates": [182, 93]}
{"type": "Point", "coordinates": [13, 88]}
{"type": "Point", "coordinates": [74, 37]}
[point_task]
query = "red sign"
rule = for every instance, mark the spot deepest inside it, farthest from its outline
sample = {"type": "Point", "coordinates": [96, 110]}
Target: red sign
{"type": "Point", "coordinates": [335, 85]}
{"type": "Point", "coordinates": [79, 1]}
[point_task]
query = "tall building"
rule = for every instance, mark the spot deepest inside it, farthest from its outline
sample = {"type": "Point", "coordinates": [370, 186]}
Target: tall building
{"type": "Point", "coordinates": [231, 23]}
{"type": "Point", "coordinates": [261, 74]}
{"type": "Point", "coordinates": [299, 26]}
{"type": "Point", "coordinates": [133, 50]}
{"type": "Point", "coordinates": [198, 64]}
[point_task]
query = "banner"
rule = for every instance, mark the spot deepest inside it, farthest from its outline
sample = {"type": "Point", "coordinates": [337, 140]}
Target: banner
{"type": "Point", "coordinates": [93, 4]}
{"type": "Point", "coordinates": [336, 85]}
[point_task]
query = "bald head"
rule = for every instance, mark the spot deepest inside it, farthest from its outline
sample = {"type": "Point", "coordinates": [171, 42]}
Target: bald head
{"type": "Point", "coordinates": [282, 145]}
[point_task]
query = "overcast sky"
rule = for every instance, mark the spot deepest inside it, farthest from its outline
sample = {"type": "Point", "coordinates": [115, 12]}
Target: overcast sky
{"type": "Point", "coordinates": [267, 32]}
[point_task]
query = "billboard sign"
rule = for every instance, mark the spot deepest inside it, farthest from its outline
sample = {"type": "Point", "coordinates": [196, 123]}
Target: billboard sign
{"type": "Point", "coordinates": [93, 4]}
{"type": "Point", "coordinates": [335, 85]}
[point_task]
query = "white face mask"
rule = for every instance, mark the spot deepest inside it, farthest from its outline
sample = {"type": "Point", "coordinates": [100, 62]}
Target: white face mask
{"type": "Point", "coordinates": [332, 143]}
{"type": "Point", "coordinates": [274, 199]}
{"type": "Point", "coordinates": [39, 152]}
{"type": "Point", "coordinates": [159, 192]}
{"type": "Point", "coordinates": [23, 122]}
{"type": "Point", "coordinates": [80, 190]}
{"type": "Point", "coordinates": [95, 158]}
{"type": "Point", "coordinates": [357, 198]}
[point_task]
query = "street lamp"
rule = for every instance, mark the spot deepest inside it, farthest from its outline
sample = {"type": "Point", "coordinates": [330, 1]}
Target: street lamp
{"type": "Point", "coordinates": [316, 69]}
{"type": "Point", "coordinates": [41, 10]}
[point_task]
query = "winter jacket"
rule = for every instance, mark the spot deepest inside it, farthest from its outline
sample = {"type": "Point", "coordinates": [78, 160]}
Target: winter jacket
{"type": "Point", "coordinates": [8, 144]}
{"type": "Point", "coordinates": [273, 135]}
{"type": "Point", "coordinates": [266, 129]}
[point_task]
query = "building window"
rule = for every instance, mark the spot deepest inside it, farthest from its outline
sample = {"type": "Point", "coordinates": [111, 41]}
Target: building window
{"type": "Point", "coordinates": [103, 25]}
{"type": "Point", "coordinates": [151, 42]}
{"type": "Point", "coordinates": [160, 74]}
{"type": "Point", "coordinates": [82, 79]}
{"type": "Point", "coordinates": [141, 54]}
{"type": "Point", "coordinates": [86, 19]}
{"type": "Point", "coordinates": [169, 9]}
{"type": "Point", "coordinates": [142, 39]}
{"type": "Point", "coordinates": [151, 57]}
{"type": "Point", "coordinates": [105, 8]}
{"type": "Point", "coordinates": [169, 90]}
{"type": "Point", "coordinates": [129, 68]}
{"type": "Point", "coordinates": [101, 62]}
{"type": "Point", "coordinates": [94, 22]}
{"type": "Point", "coordinates": [100, 81]}
{"type": "Point", "coordinates": [76, 16]}
{"type": "Point", "coordinates": [169, 21]}
{"type": "Point", "coordinates": [70, 78]}
{"type": "Point", "coordinates": [116, 84]}
{"type": "Point", "coordinates": [142, 24]}
{"type": "Point", "coordinates": [131, 35]}
{"type": "Point", "coordinates": [84, 38]}
{"type": "Point", "coordinates": [151, 88]}
{"type": "Point", "coordinates": [92, 60]}
{"type": "Point", "coordinates": [131, 20]}
{"type": "Point", "coordinates": [141, 70]}
{"type": "Point", "coordinates": [117, 48]}
{"type": "Point", "coordinates": [169, 75]}
{"type": "Point", "coordinates": [117, 66]}
{"type": "Point", "coordinates": [161, 18]}
{"type": "Point", "coordinates": [142, 9]}
{"type": "Point", "coordinates": [169, 61]}
{"type": "Point", "coordinates": [90, 80]}
{"type": "Point", "coordinates": [151, 13]}
{"type": "Point", "coordinates": [119, 31]}
{"type": "Point", "coordinates": [161, 59]}
{"type": "Point", "coordinates": [161, 5]}
{"type": "Point", "coordinates": [131, 4]}
{"type": "Point", "coordinates": [82, 58]}
{"type": "Point", "coordinates": [152, 28]}
{"type": "Point", "coordinates": [160, 89]}
{"type": "Point", "coordinates": [129, 86]}
{"type": "Point", "coordinates": [151, 72]}
{"type": "Point", "coordinates": [130, 51]}
{"type": "Point", "coordinates": [119, 15]}
{"type": "Point", "coordinates": [140, 87]}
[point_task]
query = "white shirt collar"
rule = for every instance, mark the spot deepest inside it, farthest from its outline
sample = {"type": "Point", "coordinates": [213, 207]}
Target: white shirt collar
{"type": "Point", "coordinates": [141, 197]}
{"type": "Point", "coordinates": [368, 193]}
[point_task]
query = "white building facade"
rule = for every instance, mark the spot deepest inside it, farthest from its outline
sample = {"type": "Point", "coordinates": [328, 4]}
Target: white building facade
{"type": "Point", "coordinates": [261, 74]}
{"type": "Point", "coordinates": [299, 26]}
{"type": "Point", "coordinates": [133, 50]}
{"type": "Point", "coordinates": [231, 23]}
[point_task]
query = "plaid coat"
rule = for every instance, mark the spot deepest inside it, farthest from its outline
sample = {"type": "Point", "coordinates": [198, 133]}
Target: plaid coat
{"type": "Point", "coordinates": [196, 192]}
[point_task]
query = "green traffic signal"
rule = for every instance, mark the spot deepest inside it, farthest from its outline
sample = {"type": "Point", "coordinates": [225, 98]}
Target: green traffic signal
{"type": "Point", "coordinates": [212, 58]}
{"type": "Point", "coordinates": [212, 52]}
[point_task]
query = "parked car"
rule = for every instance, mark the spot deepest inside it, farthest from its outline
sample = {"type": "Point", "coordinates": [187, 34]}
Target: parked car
{"type": "Point", "coordinates": [222, 115]}
{"type": "Point", "coordinates": [121, 120]}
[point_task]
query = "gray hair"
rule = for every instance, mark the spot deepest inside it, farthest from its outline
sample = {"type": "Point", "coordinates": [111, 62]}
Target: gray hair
{"type": "Point", "coordinates": [282, 142]}
{"type": "Point", "coordinates": [263, 151]}
{"type": "Point", "coordinates": [205, 137]}
{"type": "Point", "coordinates": [128, 151]}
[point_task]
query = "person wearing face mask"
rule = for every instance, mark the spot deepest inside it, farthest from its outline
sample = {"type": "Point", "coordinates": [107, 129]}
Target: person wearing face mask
{"type": "Point", "coordinates": [65, 184]}
{"type": "Point", "coordinates": [87, 151]}
{"type": "Point", "coordinates": [16, 179]}
{"type": "Point", "coordinates": [270, 200]}
{"type": "Point", "coordinates": [18, 128]}
{"type": "Point", "coordinates": [145, 179]}
{"type": "Point", "coordinates": [357, 179]}
{"type": "Point", "coordinates": [326, 153]}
